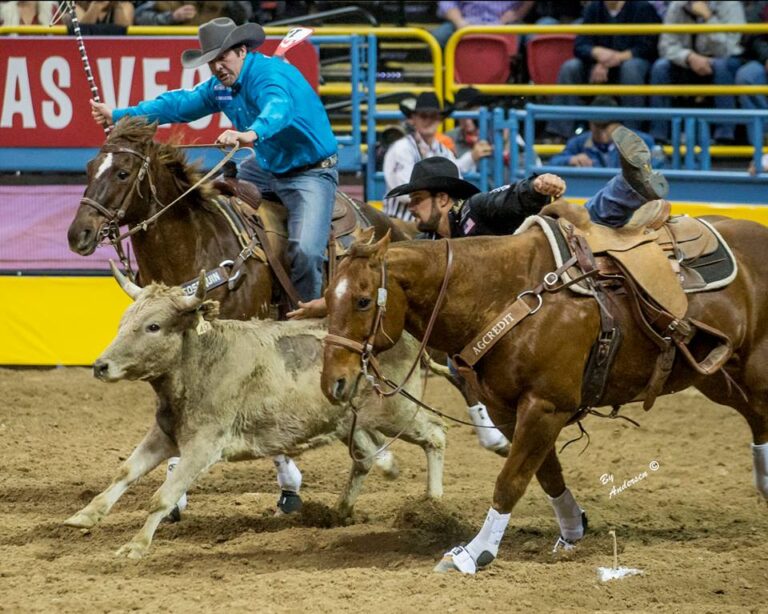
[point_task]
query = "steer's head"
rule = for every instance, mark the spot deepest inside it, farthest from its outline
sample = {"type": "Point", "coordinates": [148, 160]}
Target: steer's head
{"type": "Point", "coordinates": [151, 334]}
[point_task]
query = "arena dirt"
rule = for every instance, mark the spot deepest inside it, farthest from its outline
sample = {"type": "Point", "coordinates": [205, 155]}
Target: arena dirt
{"type": "Point", "coordinates": [694, 526]}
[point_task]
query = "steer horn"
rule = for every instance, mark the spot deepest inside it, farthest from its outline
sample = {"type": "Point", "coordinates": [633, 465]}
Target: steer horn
{"type": "Point", "coordinates": [130, 288]}
{"type": "Point", "coordinates": [193, 302]}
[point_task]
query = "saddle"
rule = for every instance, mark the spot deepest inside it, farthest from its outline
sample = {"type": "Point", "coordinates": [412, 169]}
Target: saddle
{"type": "Point", "coordinates": [655, 261]}
{"type": "Point", "coordinates": [260, 226]}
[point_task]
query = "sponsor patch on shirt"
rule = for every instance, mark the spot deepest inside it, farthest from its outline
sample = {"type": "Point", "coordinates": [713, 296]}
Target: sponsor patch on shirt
{"type": "Point", "coordinates": [501, 188]}
{"type": "Point", "coordinates": [222, 92]}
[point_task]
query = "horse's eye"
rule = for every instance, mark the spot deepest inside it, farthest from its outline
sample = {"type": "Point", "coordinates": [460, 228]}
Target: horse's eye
{"type": "Point", "coordinates": [153, 328]}
{"type": "Point", "coordinates": [122, 174]}
{"type": "Point", "coordinates": [364, 303]}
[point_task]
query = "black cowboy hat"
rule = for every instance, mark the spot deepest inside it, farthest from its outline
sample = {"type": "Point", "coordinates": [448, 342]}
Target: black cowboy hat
{"type": "Point", "coordinates": [436, 174]}
{"type": "Point", "coordinates": [470, 97]}
{"type": "Point", "coordinates": [426, 102]}
{"type": "Point", "coordinates": [219, 35]}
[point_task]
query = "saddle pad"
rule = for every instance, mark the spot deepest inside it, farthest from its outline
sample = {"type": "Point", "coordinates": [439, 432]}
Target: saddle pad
{"type": "Point", "coordinates": [717, 269]}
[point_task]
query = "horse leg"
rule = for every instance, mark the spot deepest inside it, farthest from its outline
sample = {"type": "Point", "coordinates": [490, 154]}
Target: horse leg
{"type": "Point", "coordinates": [755, 412]}
{"type": "Point", "coordinates": [289, 480]}
{"type": "Point", "coordinates": [364, 450]}
{"type": "Point", "coordinates": [571, 518]}
{"type": "Point", "coordinates": [537, 427]}
{"type": "Point", "coordinates": [153, 450]}
{"type": "Point", "coordinates": [490, 437]}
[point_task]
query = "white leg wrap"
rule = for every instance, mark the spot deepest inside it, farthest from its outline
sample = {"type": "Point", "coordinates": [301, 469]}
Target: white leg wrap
{"type": "Point", "coordinates": [489, 537]}
{"type": "Point", "coordinates": [288, 474]}
{"type": "Point", "coordinates": [490, 437]}
{"type": "Point", "coordinates": [172, 462]}
{"type": "Point", "coordinates": [760, 459]}
{"type": "Point", "coordinates": [568, 515]}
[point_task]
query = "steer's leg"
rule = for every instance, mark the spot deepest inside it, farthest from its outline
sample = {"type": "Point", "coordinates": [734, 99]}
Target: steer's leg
{"type": "Point", "coordinates": [202, 451]}
{"type": "Point", "coordinates": [153, 450]}
{"type": "Point", "coordinates": [536, 429]}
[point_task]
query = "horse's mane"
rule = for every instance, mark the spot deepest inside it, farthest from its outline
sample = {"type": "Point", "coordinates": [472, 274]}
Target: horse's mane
{"type": "Point", "coordinates": [138, 132]}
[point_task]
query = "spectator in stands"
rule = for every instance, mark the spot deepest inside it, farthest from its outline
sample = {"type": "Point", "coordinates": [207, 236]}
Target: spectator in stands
{"type": "Point", "coordinates": [710, 57]}
{"type": "Point", "coordinates": [101, 12]}
{"type": "Point", "coordinates": [27, 13]}
{"type": "Point", "coordinates": [595, 147]}
{"type": "Point", "coordinates": [623, 59]}
{"type": "Point", "coordinates": [468, 146]}
{"type": "Point", "coordinates": [421, 142]}
{"type": "Point", "coordinates": [478, 13]}
{"type": "Point", "coordinates": [556, 11]}
{"type": "Point", "coordinates": [188, 13]}
{"type": "Point", "coordinates": [754, 72]}
{"type": "Point", "coordinates": [660, 6]}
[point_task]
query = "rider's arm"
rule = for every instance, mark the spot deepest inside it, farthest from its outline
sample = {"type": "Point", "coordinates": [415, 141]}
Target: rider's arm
{"type": "Point", "coordinates": [176, 106]}
{"type": "Point", "coordinates": [504, 208]}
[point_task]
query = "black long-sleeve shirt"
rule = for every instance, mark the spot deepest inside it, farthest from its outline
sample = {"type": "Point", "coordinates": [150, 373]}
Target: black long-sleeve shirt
{"type": "Point", "coordinates": [637, 11]}
{"type": "Point", "coordinates": [498, 212]}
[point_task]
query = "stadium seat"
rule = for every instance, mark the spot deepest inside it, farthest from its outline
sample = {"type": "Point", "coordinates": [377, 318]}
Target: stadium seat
{"type": "Point", "coordinates": [546, 54]}
{"type": "Point", "coordinates": [484, 58]}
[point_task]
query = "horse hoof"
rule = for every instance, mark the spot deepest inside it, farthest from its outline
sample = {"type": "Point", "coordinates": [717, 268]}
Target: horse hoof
{"type": "Point", "coordinates": [132, 550]}
{"type": "Point", "coordinates": [80, 521]}
{"type": "Point", "coordinates": [288, 503]}
{"type": "Point", "coordinates": [174, 516]}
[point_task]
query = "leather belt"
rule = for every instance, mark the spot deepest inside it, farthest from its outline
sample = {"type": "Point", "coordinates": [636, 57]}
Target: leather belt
{"type": "Point", "coordinates": [328, 162]}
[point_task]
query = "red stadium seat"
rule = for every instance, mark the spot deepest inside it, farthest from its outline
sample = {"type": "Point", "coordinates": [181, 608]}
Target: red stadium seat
{"type": "Point", "coordinates": [484, 58]}
{"type": "Point", "coordinates": [546, 54]}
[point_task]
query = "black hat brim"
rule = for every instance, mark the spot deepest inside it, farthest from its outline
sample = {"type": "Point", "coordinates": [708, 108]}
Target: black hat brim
{"type": "Point", "coordinates": [453, 186]}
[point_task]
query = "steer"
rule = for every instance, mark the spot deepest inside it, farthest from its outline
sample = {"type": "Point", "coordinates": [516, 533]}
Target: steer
{"type": "Point", "coordinates": [236, 390]}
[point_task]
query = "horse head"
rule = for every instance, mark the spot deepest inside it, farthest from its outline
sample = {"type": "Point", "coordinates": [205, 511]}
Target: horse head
{"type": "Point", "coordinates": [366, 315]}
{"type": "Point", "coordinates": [127, 180]}
{"type": "Point", "coordinates": [115, 176]}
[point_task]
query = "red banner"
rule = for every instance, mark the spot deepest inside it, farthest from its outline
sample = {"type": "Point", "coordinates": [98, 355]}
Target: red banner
{"type": "Point", "coordinates": [45, 90]}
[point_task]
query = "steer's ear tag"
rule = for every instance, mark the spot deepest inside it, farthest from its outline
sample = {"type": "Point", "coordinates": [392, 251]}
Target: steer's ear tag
{"type": "Point", "coordinates": [203, 326]}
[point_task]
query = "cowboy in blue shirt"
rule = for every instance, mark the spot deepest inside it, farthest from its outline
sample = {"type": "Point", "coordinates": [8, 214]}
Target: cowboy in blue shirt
{"type": "Point", "coordinates": [273, 109]}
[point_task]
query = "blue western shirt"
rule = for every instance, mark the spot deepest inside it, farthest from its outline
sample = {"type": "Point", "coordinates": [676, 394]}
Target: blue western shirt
{"type": "Point", "coordinates": [270, 97]}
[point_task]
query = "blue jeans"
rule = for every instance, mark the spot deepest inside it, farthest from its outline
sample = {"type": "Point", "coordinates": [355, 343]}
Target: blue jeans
{"type": "Point", "coordinates": [614, 204]}
{"type": "Point", "coordinates": [665, 73]}
{"type": "Point", "coordinates": [753, 73]}
{"type": "Point", "coordinates": [574, 71]}
{"type": "Point", "coordinates": [308, 197]}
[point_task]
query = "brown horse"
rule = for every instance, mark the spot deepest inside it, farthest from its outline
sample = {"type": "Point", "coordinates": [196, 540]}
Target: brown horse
{"type": "Point", "coordinates": [531, 379]}
{"type": "Point", "coordinates": [190, 236]}
{"type": "Point", "coordinates": [130, 180]}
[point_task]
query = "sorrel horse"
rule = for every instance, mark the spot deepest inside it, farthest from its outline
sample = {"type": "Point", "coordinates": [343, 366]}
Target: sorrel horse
{"type": "Point", "coordinates": [130, 180]}
{"type": "Point", "coordinates": [531, 380]}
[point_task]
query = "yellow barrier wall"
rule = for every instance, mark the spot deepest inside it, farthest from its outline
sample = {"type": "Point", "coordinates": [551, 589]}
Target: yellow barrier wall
{"type": "Point", "coordinates": [58, 320]}
{"type": "Point", "coordinates": [70, 320]}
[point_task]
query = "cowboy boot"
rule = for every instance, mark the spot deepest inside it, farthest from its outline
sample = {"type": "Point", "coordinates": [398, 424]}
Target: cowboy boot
{"type": "Point", "coordinates": [636, 165]}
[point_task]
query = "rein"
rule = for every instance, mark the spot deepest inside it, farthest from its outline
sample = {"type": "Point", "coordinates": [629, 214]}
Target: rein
{"type": "Point", "coordinates": [110, 229]}
{"type": "Point", "coordinates": [366, 349]}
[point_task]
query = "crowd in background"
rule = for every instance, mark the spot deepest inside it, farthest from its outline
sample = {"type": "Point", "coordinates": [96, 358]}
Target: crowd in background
{"type": "Point", "coordinates": [718, 58]}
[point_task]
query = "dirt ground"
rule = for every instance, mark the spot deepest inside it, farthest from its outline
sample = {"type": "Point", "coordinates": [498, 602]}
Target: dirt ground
{"type": "Point", "coordinates": [694, 525]}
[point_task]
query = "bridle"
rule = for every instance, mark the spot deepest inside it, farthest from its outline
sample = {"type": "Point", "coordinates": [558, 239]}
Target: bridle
{"type": "Point", "coordinates": [369, 365]}
{"type": "Point", "coordinates": [109, 230]}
